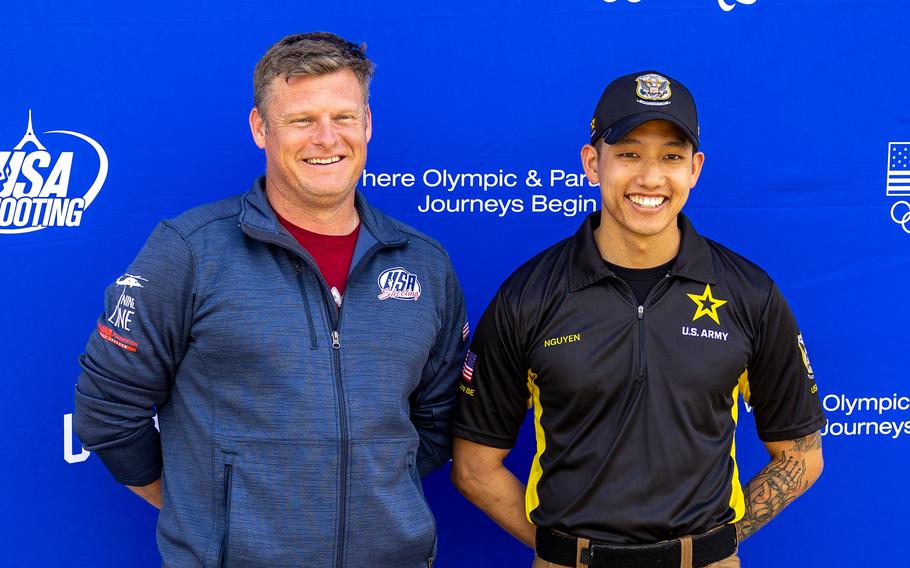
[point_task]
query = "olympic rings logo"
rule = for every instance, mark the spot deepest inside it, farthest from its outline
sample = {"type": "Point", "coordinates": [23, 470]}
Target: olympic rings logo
{"type": "Point", "coordinates": [904, 221]}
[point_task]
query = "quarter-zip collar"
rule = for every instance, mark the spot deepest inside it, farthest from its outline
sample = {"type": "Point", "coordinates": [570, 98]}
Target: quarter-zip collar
{"type": "Point", "coordinates": [258, 220]}
{"type": "Point", "coordinates": [693, 260]}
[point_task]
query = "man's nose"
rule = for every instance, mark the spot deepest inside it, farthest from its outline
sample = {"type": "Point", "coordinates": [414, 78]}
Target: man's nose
{"type": "Point", "coordinates": [651, 174]}
{"type": "Point", "coordinates": [325, 134]}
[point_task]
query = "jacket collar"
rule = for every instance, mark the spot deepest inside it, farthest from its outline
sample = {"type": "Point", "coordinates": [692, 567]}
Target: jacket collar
{"type": "Point", "coordinates": [694, 260]}
{"type": "Point", "coordinates": [257, 219]}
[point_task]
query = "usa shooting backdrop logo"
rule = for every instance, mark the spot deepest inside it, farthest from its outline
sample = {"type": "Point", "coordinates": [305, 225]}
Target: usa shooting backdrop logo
{"type": "Point", "coordinates": [399, 284]}
{"type": "Point", "coordinates": [36, 189]}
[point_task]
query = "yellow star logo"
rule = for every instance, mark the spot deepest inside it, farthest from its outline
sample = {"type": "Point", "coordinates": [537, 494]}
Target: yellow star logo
{"type": "Point", "coordinates": [701, 301]}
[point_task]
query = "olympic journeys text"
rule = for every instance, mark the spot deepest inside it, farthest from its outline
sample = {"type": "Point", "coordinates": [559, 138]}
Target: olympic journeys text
{"type": "Point", "coordinates": [857, 416]}
{"type": "Point", "coordinates": [503, 192]}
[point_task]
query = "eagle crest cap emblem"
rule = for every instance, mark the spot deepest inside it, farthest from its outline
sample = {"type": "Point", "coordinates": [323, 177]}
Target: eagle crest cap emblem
{"type": "Point", "coordinates": [652, 87]}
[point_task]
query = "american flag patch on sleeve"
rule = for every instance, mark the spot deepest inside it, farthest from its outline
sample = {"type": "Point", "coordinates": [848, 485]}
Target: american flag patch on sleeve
{"type": "Point", "coordinates": [465, 331]}
{"type": "Point", "coordinates": [467, 371]}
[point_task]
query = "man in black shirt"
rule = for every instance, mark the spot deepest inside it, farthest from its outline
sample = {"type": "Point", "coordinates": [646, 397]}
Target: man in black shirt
{"type": "Point", "coordinates": [632, 341]}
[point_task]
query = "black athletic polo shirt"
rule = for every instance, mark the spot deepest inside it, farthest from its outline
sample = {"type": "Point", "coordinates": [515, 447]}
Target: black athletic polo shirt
{"type": "Point", "coordinates": [635, 406]}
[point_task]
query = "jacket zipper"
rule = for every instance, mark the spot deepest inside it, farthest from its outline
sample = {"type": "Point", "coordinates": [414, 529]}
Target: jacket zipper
{"type": "Point", "coordinates": [640, 311]}
{"type": "Point", "coordinates": [335, 313]}
{"type": "Point", "coordinates": [627, 292]}
{"type": "Point", "coordinates": [343, 462]}
{"type": "Point", "coordinates": [652, 297]}
{"type": "Point", "coordinates": [641, 341]}
{"type": "Point", "coordinates": [306, 304]}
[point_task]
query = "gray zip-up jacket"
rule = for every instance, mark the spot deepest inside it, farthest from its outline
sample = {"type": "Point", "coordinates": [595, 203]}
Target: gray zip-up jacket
{"type": "Point", "coordinates": [292, 433]}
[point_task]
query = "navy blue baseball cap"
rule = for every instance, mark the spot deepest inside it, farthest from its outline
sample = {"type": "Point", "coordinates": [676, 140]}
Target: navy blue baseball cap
{"type": "Point", "coordinates": [639, 97]}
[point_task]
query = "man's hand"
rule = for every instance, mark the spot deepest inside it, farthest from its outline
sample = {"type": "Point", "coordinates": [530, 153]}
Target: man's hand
{"type": "Point", "coordinates": [150, 492]}
{"type": "Point", "coordinates": [478, 472]}
{"type": "Point", "coordinates": [794, 467]}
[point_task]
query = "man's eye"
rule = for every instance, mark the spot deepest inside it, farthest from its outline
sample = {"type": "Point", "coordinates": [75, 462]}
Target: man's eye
{"type": "Point", "coordinates": [674, 157]}
{"type": "Point", "coordinates": [303, 120]}
{"type": "Point", "coordinates": [345, 117]}
{"type": "Point", "coordinates": [628, 155]}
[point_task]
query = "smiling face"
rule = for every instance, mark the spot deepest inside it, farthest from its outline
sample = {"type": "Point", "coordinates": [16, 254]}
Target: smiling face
{"type": "Point", "coordinates": [644, 180]}
{"type": "Point", "coordinates": [315, 141]}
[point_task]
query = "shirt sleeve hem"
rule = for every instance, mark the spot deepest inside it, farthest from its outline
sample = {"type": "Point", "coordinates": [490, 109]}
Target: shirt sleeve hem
{"type": "Point", "coordinates": [138, 463]}
{"type": "Point", "coordinates": [483, 438]}
{"type": "Point", "coordinates": [780, 435]}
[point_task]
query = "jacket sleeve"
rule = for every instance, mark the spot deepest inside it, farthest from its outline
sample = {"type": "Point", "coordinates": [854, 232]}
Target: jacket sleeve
{"type": "Point", "coordinates": [132, 356]}
{"type": "Point", "coordinates": [433, 400]}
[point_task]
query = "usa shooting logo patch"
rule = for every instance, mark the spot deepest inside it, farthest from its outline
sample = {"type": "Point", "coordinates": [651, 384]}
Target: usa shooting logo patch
{"type": "Point", "coordinates": [399, 284]}
{"type": "Point", "coordinates": [35, 182]}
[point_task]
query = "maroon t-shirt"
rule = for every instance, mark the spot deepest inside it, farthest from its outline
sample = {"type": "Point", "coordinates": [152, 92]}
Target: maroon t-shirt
{"type": "Point", "coordinates": [332, 253]}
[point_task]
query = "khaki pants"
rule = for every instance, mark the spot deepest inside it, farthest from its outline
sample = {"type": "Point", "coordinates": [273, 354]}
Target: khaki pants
{"type": "Point", "coordinates": [731, 562]}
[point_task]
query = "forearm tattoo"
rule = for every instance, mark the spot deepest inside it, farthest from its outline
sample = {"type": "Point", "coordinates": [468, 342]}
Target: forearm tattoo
{"type": "Point", "coordinates": [777, 485]}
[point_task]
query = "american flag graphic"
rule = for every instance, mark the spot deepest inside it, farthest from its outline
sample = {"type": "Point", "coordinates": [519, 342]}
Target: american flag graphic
{"type": "Point", "coordinates": [468, 370]}
{"type": "Point", "coordinates": [465, 331]}
{"type": "Point", "coordinates": [898, 169]}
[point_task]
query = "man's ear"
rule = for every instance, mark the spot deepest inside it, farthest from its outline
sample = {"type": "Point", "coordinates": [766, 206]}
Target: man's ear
{"type": "Point", "coordinates": [589, 157]}
{"type": "Point", "coordinates": [257, 127]}
{"type": "Point", "coordinates": [698, 160]}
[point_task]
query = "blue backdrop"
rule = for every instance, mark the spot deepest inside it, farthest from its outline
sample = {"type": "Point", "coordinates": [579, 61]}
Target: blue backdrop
{"type": "Point", "coordinates": [804, 121]}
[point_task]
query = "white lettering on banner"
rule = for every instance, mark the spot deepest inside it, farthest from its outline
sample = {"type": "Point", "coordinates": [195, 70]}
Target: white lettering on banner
{"type": "Point", "coordinates": [847, 406]}
{"type": "Point", "coordinates": [472, 205]}
{"type": "Point", "coordinates": [502, 207]}
{"type": "Point", "coordinates": [68, 454]}
{"type": "Point", "coordinates": [880, 405]}
{"type": "Point", "coordinates": [451, 182]}
{"type": "Point", "coordinates": [32, 198]}
{"type": "Point", "coordinates": [568, 207]}
{"type": "Point", "coordinates": [570, 179]}
{"type": "Point", "coordinates": [893, 430]}
{"type": "Point", "coordinates": [508, 200]}
{"type": "Point", "coordinates": [369, 179]}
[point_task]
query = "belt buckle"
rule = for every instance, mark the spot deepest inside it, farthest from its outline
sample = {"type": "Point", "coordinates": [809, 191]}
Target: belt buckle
{"type": "Point", "coordinates": [658, 554]}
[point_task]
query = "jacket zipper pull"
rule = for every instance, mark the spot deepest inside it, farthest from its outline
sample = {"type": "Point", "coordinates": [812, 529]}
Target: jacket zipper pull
{"type": "Point", "coordinates": [641, 342]}
{"type": "Point", "coordinates": [336, 341]}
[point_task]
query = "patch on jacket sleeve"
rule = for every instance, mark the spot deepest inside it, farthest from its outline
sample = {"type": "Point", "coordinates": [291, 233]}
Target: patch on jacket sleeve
{"type": "Point", "coordinates": [108, 334]}
{"type": "Point", "coordinates": [121, 317]}
{"type": "Point", "coordinates": [399, 284]}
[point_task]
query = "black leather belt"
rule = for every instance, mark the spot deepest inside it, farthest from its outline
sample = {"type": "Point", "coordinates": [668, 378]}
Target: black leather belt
{"type": "Point", "coordinates": [707, 548]}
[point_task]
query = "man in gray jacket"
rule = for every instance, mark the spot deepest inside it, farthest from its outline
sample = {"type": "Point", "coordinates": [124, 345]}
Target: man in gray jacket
{"type": "Point", "coordinates": [294, 427]}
